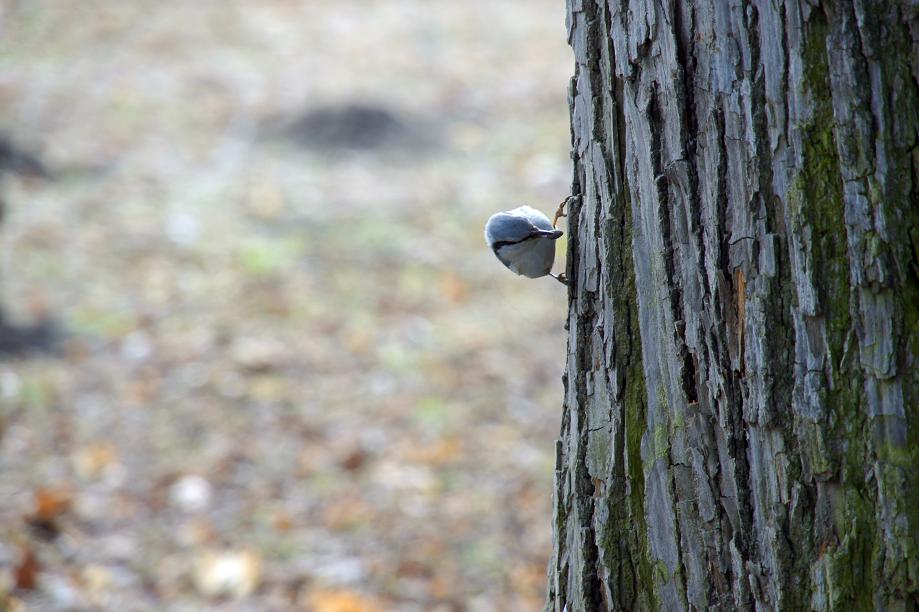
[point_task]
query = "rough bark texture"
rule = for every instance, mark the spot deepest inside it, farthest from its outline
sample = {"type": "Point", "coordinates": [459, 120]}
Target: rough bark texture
{"type": "Point", "coordinates": [742, 392]}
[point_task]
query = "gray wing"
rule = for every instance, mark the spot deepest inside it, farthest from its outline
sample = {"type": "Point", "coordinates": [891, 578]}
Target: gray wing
{"type": "Point", "coordinates": [516, 225]}
{"type": "Point", "coordinates": [508, 227]}
{"type": "Point", "coordinates": [535, 217]}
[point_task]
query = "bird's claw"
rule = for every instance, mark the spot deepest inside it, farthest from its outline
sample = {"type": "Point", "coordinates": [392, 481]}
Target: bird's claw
{"type": "Point", "coordinates": [560, 278]}
{"type": "Point", "coordinates": [560, 212]}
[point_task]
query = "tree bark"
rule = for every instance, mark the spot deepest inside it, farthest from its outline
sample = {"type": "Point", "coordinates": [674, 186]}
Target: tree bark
{"type": "Point", "coordinates": [742, 391]}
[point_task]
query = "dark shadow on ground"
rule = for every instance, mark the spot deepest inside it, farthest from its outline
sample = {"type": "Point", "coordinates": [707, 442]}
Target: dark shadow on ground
{"type": "Point", "coordinates": [25, 340]}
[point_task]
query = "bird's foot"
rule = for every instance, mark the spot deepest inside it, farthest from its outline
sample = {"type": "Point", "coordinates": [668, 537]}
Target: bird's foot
{"type": "Point", "coordinates": [560, 278]}
{"type": "Point", "coordinates": [560, 212]}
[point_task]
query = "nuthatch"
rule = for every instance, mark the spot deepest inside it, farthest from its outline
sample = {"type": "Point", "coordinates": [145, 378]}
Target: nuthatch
{"type": "Point", "coordinates": [523, 239]}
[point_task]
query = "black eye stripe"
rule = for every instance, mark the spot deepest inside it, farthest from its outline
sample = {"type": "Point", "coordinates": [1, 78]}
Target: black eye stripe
{"type": "Point", "coordinates": [504, 243]}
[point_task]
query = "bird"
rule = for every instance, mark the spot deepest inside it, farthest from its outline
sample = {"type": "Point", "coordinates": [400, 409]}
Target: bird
{"type": "Point", "coordinates": [523, 239]}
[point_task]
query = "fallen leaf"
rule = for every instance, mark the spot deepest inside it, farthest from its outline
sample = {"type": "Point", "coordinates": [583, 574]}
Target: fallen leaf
{"type": "Point", "coordinates": [353, 460]}
{"type": "Point", "coordinates": [139, 392]}
{"type": "Point", "coordinates": [347, 512]}
{"type": "Point", "coordinates": [97, 579]}
{"type": "Point", "coordinates": [234, 574]}
{"type": "Point", "coordinates": [12, 604]}
{"type": "Point", "coordinates": [359, 341]}
{"type": "Point", "coordinates": [256, 354]}
{"type": "Point", "coordinates": [50, 505]}
{"type": "Point", "coordinates": [338, 600]}
{"type": "Point", "coordinates": [26, 573]}
{"type": "Point", "coordinates": [93, 460]}
{"type": "Point", "coordinates": [528, 578]}
{"type": "Point", "coordinates": [442, 452]}
{"type": "Point", "coordinates": [282, 520]}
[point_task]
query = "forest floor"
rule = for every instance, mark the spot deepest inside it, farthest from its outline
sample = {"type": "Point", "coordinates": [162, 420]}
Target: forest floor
{"type": "Point", "coordinates": [288, 374]}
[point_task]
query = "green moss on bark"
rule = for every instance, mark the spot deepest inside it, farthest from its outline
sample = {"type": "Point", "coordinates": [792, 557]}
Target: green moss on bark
{"type": "Point", "coordinates": [850, 565]}
{"type": "Point", "coordinates": [634, 400]}
{"type": "Point", "coordinates": [634, 403]}
{"type": "Point", "coordinates": [900, 201]}
{"type": "Point", "coordinates": [839, 444]}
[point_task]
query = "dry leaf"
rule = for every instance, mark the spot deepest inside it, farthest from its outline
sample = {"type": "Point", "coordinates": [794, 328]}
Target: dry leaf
{"type": "Point", "coordinates": [12, 604]}
{"type": "Point", "coordinates": [359, 341]}
{"type": "Point", "coordinates": [528, 578]}
{"type": "Point", "coordinates": [93, 460]}
{"type": "Point", "coordinates": [347, 512]}
{"type": "Point", "coordinates": [139, 392]}
{"type": "Point", "coordinates": [234, 574]}
{"type": "Point", "coordinates": [256, 354]}
{"type": "Point", "coordinates": [353, 460]}
{"type": "Point", "coordinates": [50, 504]}
{"type": "Point", "coordinates": [26, 573]}
{"type": "Point", "coordinates": [282, 520]}
{"type": "Point", "coordinates": [338, 600]}
{"type": "Point", "coordinates": [442, 452]}
{"type": "Point", "coordinates": [96, 579]}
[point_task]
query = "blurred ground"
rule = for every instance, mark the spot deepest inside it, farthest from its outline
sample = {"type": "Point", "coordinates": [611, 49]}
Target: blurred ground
{"type": "Point", "coordinates": [291, 375]}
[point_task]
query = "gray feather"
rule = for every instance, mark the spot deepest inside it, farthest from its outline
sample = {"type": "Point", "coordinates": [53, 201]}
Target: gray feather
{"type": "Point", "coordinates": [517, 225]}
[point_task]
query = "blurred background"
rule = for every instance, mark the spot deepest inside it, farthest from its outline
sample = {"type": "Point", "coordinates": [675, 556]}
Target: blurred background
{"type": "Point", "coordinates": [255, 353]}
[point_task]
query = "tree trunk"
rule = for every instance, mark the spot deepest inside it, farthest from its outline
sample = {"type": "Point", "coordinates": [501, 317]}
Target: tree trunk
{"type": "Point", "coordinates": [742, 391]}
